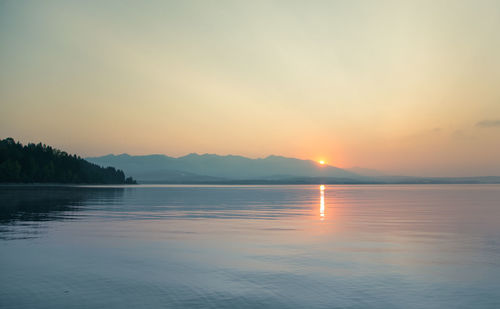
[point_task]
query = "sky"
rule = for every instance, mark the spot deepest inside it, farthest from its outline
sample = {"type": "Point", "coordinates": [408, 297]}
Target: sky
{"type": "Point", "coordinates": [405, 87]}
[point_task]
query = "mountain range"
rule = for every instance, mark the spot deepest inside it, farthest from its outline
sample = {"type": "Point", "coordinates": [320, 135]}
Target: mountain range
{"type": "Point", "coordinates": [232, 169]}
{"type": "Point", "coordinates": [211, 167]}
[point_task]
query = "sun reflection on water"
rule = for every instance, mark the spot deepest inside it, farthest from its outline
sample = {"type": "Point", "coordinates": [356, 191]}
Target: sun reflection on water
{"type": "Point", "coordinates": [322, 202]}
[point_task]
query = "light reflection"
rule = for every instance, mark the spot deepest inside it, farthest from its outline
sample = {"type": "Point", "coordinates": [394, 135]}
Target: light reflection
{"type": "Point", "coordinates": [322, 202]}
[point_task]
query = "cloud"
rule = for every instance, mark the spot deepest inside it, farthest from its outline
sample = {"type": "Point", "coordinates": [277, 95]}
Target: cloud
{"type": "Point", "coordinates": [488, 123]}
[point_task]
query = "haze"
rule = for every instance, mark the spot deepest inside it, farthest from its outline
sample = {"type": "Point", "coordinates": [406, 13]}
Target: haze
{"type": "Point", "coordinates": [399, 86]}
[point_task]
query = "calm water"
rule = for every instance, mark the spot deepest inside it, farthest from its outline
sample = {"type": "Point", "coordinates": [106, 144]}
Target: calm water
{"type": "Point", "coordinates": [416, 246]}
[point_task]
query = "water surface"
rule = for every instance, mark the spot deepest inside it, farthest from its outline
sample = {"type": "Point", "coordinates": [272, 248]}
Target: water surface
{"type": "Point", "coordinates": [416, 246]}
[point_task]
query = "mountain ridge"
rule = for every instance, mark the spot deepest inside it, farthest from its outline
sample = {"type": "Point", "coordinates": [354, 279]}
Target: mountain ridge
{"type": "Point", "coordinates": [147, 168]}
{"type": "Point", "coordinates": [208, 168]}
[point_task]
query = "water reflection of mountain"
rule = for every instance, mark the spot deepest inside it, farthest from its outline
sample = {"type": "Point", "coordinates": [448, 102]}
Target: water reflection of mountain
{"type": "Point", "coordinates": [30, 205]}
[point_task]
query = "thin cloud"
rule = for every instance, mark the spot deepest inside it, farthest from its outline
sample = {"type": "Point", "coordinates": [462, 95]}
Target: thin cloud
{"type": "Point", "coordinates": [488, 123]}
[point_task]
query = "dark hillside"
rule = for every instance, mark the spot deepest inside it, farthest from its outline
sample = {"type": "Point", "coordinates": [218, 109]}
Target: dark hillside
{"type": "Point", "coordinates": [39, 163]}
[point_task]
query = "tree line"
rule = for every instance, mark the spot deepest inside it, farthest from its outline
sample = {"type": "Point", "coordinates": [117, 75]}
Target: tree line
{"type": "Point", "coordinates": [39, 163]}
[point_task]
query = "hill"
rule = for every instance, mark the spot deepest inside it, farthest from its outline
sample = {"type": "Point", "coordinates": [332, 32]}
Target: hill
{"type": "Point", "coordinates": [215, 168]}
{"type": "Point", "coordinates": [39, 163]}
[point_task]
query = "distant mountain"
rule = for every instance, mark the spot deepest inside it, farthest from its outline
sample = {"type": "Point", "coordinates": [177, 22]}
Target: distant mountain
{"type": "Point", "coordinates": [39, 163]}
{"type": "Point", "coordinates": [215, 168]}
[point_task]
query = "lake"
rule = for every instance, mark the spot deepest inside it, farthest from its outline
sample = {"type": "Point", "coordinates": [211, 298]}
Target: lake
{"type": "Point", "coordinates": [364, 246]}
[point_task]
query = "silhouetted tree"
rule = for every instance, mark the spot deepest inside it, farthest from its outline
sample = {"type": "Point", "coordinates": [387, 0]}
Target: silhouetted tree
{"type": "Point", "coordinates": [42, 163]}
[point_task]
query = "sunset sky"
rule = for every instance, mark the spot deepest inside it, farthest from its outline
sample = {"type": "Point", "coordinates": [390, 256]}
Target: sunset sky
{"type": "Point", "coordinates": [406, 87]}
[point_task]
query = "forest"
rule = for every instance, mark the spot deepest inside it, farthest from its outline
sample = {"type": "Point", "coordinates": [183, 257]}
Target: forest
{"type": "Point", "coordinates": [39, 163]}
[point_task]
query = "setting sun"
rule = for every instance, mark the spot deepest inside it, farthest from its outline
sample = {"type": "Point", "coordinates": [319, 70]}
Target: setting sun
{"type": "Point", "coordinates": [321, 162]}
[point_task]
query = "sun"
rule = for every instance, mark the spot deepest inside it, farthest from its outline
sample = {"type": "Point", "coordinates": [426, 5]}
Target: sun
{"type": "Point", "coordinates": [322, 162]}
